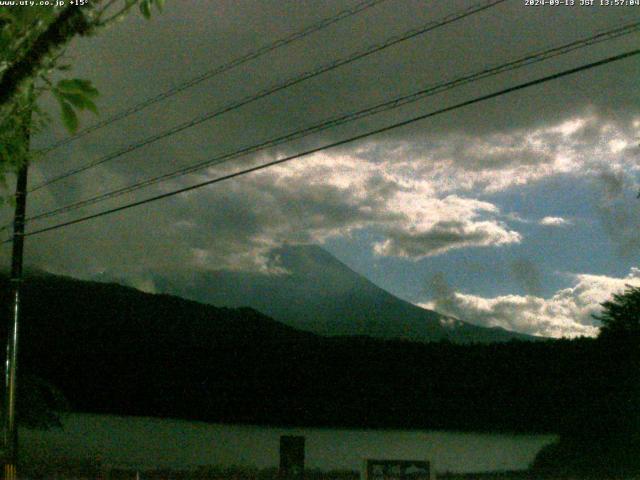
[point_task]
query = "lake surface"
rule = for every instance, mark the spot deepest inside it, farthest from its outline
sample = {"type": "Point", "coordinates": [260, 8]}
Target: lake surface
{"type": "Point", "coordinates": [139, 442]}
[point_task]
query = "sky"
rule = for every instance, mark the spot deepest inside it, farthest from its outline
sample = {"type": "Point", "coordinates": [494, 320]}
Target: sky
{"type": "Point", "coordinates": [519, 211]}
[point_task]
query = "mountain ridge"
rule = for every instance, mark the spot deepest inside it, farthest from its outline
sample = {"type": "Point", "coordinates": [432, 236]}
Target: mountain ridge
{"type": "Point", "coordinates": [316, 292]}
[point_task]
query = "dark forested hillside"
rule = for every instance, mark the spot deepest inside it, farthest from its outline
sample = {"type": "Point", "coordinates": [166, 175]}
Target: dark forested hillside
{"type": "Point", "coordinates": [114, 349]}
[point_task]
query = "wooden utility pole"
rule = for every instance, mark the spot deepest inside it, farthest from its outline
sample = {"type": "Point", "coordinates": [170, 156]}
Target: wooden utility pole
{"type": "Point", "coordinates": [10, 427]}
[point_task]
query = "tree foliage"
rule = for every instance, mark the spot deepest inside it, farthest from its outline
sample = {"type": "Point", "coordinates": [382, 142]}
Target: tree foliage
{"type": "Point", "coordinates": [621, 316]}
{"type": "Point", "coordinates": [32, 43]}
{"type": "Point", "coordinates": [603, 441]}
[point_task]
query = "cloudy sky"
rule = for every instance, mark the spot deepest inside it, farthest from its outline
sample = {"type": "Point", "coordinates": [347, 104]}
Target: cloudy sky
{"type": "Point", "coordinates": [518, 212]}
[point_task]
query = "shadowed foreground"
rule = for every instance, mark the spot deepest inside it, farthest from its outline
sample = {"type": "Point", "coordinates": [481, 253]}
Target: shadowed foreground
{"type": "Point", "coordinates": [66, 471]}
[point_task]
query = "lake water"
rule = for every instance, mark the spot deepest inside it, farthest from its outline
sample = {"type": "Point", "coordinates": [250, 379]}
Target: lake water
{"type": "Point", "coordinates": [137, 442]}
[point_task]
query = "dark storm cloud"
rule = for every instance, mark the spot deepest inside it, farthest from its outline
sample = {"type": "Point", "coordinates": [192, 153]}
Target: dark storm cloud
{"type": "Point", "coordinates": [187, 40]}
{"type": "Point", "coordinates": [226, 226]}
{"type": "Point", "coordinates": [214, 228]}
{"type": "Point", "coordinates": [236, 226]}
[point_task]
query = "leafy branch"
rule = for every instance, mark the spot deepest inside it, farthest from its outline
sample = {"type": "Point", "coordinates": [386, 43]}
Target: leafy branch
{"type": "Point", "coordinates": [72, 95]}
{"type": "Point", "coordinates": [32, 42]}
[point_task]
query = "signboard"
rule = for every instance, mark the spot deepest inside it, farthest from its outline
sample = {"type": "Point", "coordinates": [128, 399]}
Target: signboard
{"type": "Point", "coordinates": [291, 457]}
{"type": "Point", "coordinates": [398, 470]}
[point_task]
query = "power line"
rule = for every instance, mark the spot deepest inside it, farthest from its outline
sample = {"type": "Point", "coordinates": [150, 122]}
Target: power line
{"type": "Point", "coordinates": [341, 142]}
{"type": "Point", "coordinates": [526, 60]}
{"type": "Point", "coordinates": [394, 40]}
{"type": "Point", "coordinates": [322, 24]}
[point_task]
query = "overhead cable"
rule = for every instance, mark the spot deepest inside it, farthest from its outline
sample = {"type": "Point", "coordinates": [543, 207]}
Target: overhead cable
{"type": "Point", "coordinates": [370, 133]}
{"type": "Point", "coordinates": [335, 121]}
{"type": "Point", "coordinates": [220, 69]}
{"type": "Point", "coordinates": [389, 42]}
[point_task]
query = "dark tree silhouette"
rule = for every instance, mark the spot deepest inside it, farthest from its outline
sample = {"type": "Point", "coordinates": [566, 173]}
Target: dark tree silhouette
{"type": "Point", "coordinates": [603, 439]}
{"type": "Point", "coordinates": [621, 316]}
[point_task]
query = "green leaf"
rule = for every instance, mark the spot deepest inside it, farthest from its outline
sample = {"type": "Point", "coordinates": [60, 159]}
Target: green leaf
{"type": "Point", "coordinates": [73, 85]}
{"type": "Point", "coordinates": [89, 105]}
{"type": "Point", "coordinates": [145, 8]}
{"type": "Point", "coordinates": [77, 85]}
{"type": "Point", "coordinates": [80, 101]}
{"type": "Point", "coordinates": [69, 117]}
{"type": "Point", "coordinates": [159, 5]}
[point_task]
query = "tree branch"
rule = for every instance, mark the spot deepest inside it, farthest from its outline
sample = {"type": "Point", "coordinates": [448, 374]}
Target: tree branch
{"type": "Point", "coordinates": [69, 23]}
{"type": "Point", "coordinates": [123, 11]}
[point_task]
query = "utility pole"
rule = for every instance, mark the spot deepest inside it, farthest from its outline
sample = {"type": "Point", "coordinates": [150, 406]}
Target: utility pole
{"type": "Point", "coordinates": [10, 427]}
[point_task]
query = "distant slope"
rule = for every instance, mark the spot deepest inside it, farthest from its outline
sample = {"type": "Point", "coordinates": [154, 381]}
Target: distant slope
{"type": "Point", "coordinates": [320, 294]}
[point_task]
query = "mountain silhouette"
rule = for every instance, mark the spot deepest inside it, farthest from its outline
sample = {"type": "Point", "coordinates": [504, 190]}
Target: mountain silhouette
{"type": "Point", "coordinates": [313, 291]}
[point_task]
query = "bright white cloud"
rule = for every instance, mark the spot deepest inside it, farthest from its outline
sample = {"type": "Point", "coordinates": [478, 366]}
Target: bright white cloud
{"type": "Point", "coordinates": [568, 313]}
{"type": "Point", "coordinates": [554, 222]}
{"type": "Point", "coordinates": [580, 146]}
{"type": "Point", "coordinates": [443, 236]}
{"type": "Point", "coordinates": [419, 198]}
{"type": "Point", "coordinates": [405, 210]}
{"type": "Point", "coordinates": [236, 225]}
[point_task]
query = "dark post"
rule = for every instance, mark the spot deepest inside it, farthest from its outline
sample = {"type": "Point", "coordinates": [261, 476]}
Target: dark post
{"type": "Point", "coordinates": [10, 428]}
{"type": "Point", "coordinates": [291, 457]}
